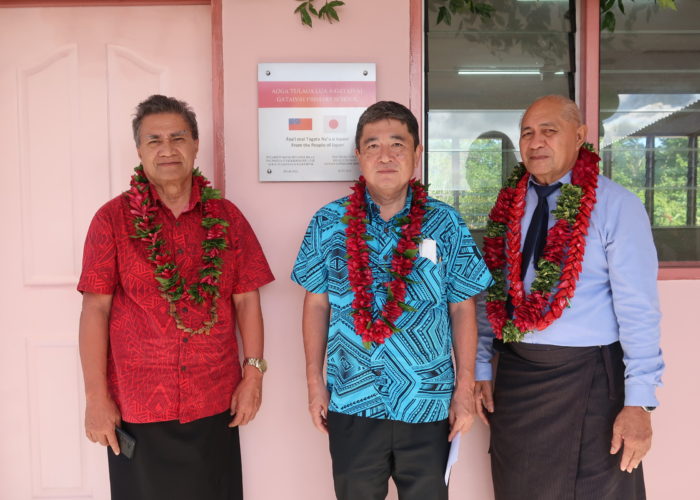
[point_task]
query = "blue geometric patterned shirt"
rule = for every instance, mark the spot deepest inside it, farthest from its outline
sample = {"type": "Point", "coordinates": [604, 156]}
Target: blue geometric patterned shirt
{"type": "Point", "coordinates": [410, 377]}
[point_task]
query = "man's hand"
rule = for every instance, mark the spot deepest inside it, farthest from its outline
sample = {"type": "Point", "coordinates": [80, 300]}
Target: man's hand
{"type": "Point", "coordinates": [461, 410]}
{"type": "Point", "coordinates": [247, 397]}
{"type": "Point", "coordinates": [632, 433]}
{"type": "Point", "coordinates": [483, 397]}
{"type": "Point", "coordinates": [318, 405]}
{"type": "Point", "coordinates": [101, 417]}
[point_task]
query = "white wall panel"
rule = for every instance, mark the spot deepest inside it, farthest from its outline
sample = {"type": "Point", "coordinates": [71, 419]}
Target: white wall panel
{"type": "Point", "coordinates": [55, 392]}
{"type": "Point", "coordinates": [130, 79]}
{"type": "Point", "coordinates": [47, 115]}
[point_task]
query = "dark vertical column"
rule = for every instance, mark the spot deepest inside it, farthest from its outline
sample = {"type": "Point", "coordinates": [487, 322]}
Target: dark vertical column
{"type": "Point", "coordinates": [649, 177]}
{"type": "Point", "coordinates": [692, 210]}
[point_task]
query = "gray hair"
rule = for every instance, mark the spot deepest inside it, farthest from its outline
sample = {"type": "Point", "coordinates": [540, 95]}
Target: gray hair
{"type": "Point", "coordinates": [161, 104]}
{"type": "Point", "coordinates": [570, 110]}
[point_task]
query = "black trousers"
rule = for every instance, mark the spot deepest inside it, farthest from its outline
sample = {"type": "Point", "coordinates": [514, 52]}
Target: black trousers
{"type": "Point", "coordinates": [199, 460]}
{"type": "Point", "coordinates": [551, 431]}
{"type": "Point", "coordinates": [366, 452]}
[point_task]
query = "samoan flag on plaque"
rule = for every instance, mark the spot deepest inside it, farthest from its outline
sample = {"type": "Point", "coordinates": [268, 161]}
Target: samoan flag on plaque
{"type": "Point", "coordinates": [300, 124]}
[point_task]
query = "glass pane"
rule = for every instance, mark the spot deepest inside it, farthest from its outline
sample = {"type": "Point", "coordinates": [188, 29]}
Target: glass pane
{"type": "Point", "coordinates": [629, 159]}
{"type": "Point", "coordinates": [480, 76]}
{"type": "Point", "coordinates": [670, 181]}
{"type": "Point", "coordinates": [650, 116]}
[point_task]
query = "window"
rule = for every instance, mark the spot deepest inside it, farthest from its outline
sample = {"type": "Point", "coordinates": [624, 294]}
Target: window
{"type": "Point", "coordinates": [650, 117]}
{"type": "Point", "coordinates": [481, 74]}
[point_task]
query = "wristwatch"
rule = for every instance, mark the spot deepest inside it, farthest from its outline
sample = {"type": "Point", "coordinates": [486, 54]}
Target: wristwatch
{"type": "Point", "coordinates": [648, 409]}
{"type": "Point", "coordinates": [258, 363]}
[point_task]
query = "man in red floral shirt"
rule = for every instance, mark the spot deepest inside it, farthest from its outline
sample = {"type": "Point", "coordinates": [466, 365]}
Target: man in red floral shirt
{"type": "Point", "coordinates": [168, 269]}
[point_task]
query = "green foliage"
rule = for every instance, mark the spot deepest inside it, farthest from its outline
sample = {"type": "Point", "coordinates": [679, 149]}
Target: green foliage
{"type": "Point", "coordinates": [495, 229]}
{"type": "Point", "coordinates": [568, 203]}
{"type": "Point", "coordinates": [669, 194]}
{"type": "Point", "coordinates": [208, 222]}
{"type": "Point", "coordinates": [608, 20]}
{"type": "Point", "coordinates": [469, 180]}
{"type": "Point", "coordinates": [547, 276]}
{"type": "Point", "coordinates": [406, 307]}
{"type": "Point", "coordinates": [450, 7]}
{"type": "Point", "coordinates": [497, 290]}
{"type": "Point", "coordinates": [511, 332]}
{"type": "Point", "coordinates": [307, 10]}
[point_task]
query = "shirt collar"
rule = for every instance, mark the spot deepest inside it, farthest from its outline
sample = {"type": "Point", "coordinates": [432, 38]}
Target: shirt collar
{"type": "Point", "coordinates": [374, 211]}
{"type": "Point", "coordinates": [566, 179]}
{"type": "Point", "coordinates": [195, 196]}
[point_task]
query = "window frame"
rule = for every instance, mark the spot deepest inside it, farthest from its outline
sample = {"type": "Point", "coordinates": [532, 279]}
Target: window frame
{"type": "Point", "coordinates": [587, 94]}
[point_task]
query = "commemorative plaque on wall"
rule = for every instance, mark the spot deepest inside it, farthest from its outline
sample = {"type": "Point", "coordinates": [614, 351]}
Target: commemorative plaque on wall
{"type": "Point", "coordinates": [307, 116]}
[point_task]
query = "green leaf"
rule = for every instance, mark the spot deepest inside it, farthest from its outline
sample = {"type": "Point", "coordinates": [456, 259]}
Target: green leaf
{"type": "Point", "coordinates": [391, 326]}
{"type": "Point", "coordinates": [444, 15]}
{"type": "Point", "coordinates": [511, 333]}
{"type": "Point", "coordinates": [331, 13]}
{"type": "Point", "coordinates": [410, 253]}
{"type": "Point", "coordinates": [608, 22]}
{"type": "Point", "coordinates": [313, 10]}
{"type": "Point", "coordinates": [305, 17]}
{"type": "Point", "coordinates": [209, 193]}
{"type": "Point", "coordinates": [667, 4]}
{"type": "Point", "coordinates": [406, 307]}
{"type": "Point", "coordinates": [495, 229]}
{"type": "Point", "coordinates": [210, 271]}
{"type": "Point", "coordinates": [621, 6]}
{"type": "Point", "coordinates": [336, 3]}
{"type": "Point", "coordinates": [301, 5]}
{"type": "Point", "coordinates": [484, 10]}
{"type": "Point", "coordinates": [208, 222]}
{"type": "Point", "coordinates": [214, 261]}
{"type": "Point", "coordinates": [367, 345]}
{"type": "Point", "coordinates": [456, 5]}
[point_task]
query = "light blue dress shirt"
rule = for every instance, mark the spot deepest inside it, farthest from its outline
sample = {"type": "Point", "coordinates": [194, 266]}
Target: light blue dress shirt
{"type": "Point", "coordinates": [616, 295]}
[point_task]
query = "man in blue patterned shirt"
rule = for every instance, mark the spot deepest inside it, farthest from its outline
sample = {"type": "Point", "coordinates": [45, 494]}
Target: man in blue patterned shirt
{"type": "Point", "coordinates": [391, 406]}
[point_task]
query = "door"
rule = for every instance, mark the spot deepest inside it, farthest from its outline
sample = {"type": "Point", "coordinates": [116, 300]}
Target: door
{"type": "Point", "coordinates": [70, 78]}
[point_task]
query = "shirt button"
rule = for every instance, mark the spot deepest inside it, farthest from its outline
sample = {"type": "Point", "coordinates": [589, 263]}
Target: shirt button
{"type": "Point", "coordinates": [377, 372]}
{"type": "Point", "coordinates": [184, 309]}
{"type": "Point", "coordinates": [185, 339]}
{"type": "Point", "coordinates": [386, 229]}
{"type": "Point", "coordinates": [183, 368]}
{"type": "Point", "coordinates": [180, 251]}
{"type": "Point", "coordinates": [387, 257]}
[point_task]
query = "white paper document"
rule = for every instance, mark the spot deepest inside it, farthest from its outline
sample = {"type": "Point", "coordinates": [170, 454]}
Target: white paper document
{"type": "Point", "coordinates": [428, 250]}
{"type": "Point", "coordinates": [453, 456]}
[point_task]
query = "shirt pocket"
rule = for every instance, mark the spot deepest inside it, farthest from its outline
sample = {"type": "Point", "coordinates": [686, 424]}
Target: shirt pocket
{"type": "Point", "coordinates": [429, 278]}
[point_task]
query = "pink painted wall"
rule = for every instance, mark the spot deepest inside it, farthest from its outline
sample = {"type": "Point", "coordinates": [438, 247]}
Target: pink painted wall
{"type": "Point", "coordinates": [284, 456]}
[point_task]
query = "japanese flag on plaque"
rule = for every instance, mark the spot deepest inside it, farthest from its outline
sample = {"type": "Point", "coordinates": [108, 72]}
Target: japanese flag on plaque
{"type": "Point", "coordinates": [335, 124]}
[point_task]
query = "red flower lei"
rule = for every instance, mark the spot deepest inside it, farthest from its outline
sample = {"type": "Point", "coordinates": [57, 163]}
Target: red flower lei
{"type": "Point", "coordinates": [171, 285]}
{"type": "Point", "coordinates": [360, 274]}
{"type": "Point", "coordinates": [561, 259]}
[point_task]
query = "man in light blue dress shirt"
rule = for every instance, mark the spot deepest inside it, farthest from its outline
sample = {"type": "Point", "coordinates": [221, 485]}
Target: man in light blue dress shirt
{"type": "Point", "coordinates": [571, 414]}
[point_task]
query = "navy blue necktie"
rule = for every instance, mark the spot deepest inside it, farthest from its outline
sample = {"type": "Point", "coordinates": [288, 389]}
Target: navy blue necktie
{"type": "Point", "coordinates": [537, 232]}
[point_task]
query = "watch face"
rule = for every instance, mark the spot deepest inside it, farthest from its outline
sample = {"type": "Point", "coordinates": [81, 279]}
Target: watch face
{"type": "Point", "coordinates": [258, 363]}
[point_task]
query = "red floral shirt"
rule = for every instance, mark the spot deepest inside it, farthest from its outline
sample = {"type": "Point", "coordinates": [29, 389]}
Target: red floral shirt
{"type": "Point", "coordinates": [155, 371]}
